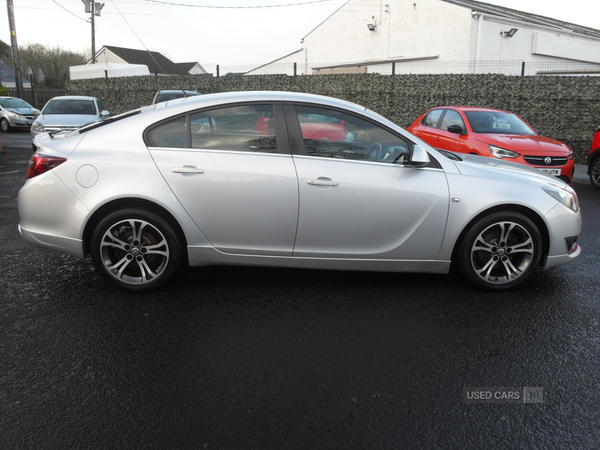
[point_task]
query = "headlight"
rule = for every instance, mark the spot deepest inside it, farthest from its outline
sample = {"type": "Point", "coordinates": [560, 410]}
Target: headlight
{"type": "Point", "coordinates": [500, 152]}
{"type": "Point", "coordinates": [37, 127]}
{"type": "Point", "coordinates": [564, 196]}
{"type": "Point", "coordinates": [15, 115]}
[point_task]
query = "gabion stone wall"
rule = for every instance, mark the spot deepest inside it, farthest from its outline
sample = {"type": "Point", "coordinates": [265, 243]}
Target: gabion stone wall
{"type": "Point", "coordinates": [562, 108]}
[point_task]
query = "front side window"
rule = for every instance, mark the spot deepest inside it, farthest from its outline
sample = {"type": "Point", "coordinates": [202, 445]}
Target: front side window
{"type": "Point", "coordinates": [452, 118]}
{"type": "Point", "coordinates": [336, 134]}
{"type": "Point", "coordinates": [432, 118]}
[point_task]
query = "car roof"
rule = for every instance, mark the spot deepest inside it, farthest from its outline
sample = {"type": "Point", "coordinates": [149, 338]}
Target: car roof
{"type": "Point", "coordinates": [73, 97]}
{"type": "Point", "coordinates": [471, 108]}
{"type": "Point", "coordinates": [223, 98]}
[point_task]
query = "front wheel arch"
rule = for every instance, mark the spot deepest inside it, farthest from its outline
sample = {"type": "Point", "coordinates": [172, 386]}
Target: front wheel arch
{"type": "Point", "coordinates": [531, 215]}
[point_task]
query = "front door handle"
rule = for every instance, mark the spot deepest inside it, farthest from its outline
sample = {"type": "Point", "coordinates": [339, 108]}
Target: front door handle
{"type": "Point", "coordinates": [187, 169]}
{"type": "Point", "coordinates": [321, 181]}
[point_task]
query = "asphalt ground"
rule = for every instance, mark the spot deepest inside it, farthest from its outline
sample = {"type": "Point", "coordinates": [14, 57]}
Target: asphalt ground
{"type": "Point", "coordinates": [255, 358]}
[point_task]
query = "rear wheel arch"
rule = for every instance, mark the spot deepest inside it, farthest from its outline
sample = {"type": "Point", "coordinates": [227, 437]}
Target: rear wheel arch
{"type": "Point", "coordinates": [135, 203]}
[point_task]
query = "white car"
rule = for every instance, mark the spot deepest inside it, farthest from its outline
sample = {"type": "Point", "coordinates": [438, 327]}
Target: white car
{"type": "Point", "coordinates": [260, 178]}
{"type": "Point", "coordinates": [68, 113]}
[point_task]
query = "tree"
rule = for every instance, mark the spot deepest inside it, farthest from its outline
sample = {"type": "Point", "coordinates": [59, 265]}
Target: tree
{"type": "Point", "coordinates": [48, 65]}
{"type": "Point", "coordinates": [30, 57]}
{"type": "Point", "coordinates": [5, 53]}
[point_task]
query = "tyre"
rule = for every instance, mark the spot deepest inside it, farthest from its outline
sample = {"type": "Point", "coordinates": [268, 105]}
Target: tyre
{"type": "Point", "coordinates": [595, 173]}
{"type": "Point", "coordinates": [135, 250]}
{"type": "Point", "coordinates": [4, 125]}
{"type": "Point", "coordinates": [500, 251]}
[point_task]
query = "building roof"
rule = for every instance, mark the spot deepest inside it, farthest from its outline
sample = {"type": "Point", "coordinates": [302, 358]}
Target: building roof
{"type": "Point", "coordinates": [7, 75]}
{"type": "Point", "coordinates": [514, 14]}
{"type": "Point", "coordinates": [156, 62]}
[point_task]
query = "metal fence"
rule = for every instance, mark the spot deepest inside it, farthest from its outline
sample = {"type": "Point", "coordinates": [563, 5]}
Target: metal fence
{"type": "Point", "coordinates": [406, 67]}
{"type": "Point", "coordinates": [37, 97]}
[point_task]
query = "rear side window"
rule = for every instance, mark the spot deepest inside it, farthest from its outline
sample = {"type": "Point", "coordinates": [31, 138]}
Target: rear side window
{"type": "Point", "coordinates": [170, 134]}
{"type": "Point", "coordinates": [432, 118]}
{"type": "Point", "coordinates": [247, 128]}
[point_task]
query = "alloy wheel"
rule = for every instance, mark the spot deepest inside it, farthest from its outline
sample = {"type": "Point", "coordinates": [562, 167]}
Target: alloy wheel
{"type": "Point", "coordinates": [134, 251]}
{"type": "Point", "coordinates": [502, 252]}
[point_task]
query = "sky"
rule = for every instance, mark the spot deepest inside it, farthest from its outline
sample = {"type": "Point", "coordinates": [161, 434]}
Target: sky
{"type": "Point", "coordinates": [238, 34]}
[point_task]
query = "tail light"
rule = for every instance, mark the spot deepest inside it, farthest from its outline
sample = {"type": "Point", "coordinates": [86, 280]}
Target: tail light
{"type": "Point", "coordinates": [39, 164]}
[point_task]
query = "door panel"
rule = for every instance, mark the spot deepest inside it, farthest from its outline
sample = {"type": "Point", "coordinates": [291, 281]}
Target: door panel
{"type": "Point", "coordinates": [244, 203]}
{"type": "Point", "coordinates": [369, 210]}
{"type": "Point", "coordinates": [231, 169]}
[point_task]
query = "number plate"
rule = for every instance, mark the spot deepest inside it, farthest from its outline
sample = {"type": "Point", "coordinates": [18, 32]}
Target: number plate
{"type": "Point", "coordinates": [555, 172]}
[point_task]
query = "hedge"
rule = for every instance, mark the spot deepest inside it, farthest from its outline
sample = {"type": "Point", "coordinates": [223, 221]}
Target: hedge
{"type": "Point", "coordinates": [563, 108]}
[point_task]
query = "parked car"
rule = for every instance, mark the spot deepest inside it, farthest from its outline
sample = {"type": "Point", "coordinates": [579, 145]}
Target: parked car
{"type": "Point", "coordinates": [195, 182]}
{"type": "Point", "coordinates": [496, 134]}
{"type": "Point", "coordinates": [594, 160]}
{"type": "Point", "coordinates": [68, 113]}
{"type": "Point", "coordinates": [166, 95]}
{"type": "Point", "coordinates": [16, 113]}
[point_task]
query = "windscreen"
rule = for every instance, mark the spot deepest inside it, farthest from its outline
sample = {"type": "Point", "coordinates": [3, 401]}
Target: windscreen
{"type": "Point", "coordinates": [495, 122]}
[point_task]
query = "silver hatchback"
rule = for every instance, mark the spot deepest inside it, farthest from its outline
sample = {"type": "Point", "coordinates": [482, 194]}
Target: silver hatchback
{"type": "Point", "coordinates": [16, 113]}
{"type": "Point", "coordinates": [68, 113]}
{"type": "Point", "coordinates": [288, 180]}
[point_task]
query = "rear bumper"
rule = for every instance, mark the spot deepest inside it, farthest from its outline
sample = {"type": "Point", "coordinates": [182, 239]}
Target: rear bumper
{"type": "Point", "coordinates": [60, 244]}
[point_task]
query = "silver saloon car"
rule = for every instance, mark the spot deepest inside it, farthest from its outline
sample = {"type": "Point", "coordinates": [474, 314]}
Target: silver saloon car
{"type": "Point", "coordinates": [289, 180]}
{"type": "Point", "coordinates": [68, 113]}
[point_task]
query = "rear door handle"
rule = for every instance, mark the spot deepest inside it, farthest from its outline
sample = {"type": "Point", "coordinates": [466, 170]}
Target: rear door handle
{"type": "Point", "coordinates": [323, 182]}
{"type": "Point", "coordinates": [187, 169]}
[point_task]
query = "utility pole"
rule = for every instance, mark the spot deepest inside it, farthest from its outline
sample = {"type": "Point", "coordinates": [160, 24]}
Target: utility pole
{"type": "Point", "coordinates": [94, 8]}
{"type": "Point", "coordinates": [15, 48]}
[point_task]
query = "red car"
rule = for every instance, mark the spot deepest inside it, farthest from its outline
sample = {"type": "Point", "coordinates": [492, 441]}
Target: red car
{"type": "Point", "coordinates": [594, 161]}
{"type": "Point", "coordinates": [313, 126]}
{"type": "Point", "coordinates": [493, 133]}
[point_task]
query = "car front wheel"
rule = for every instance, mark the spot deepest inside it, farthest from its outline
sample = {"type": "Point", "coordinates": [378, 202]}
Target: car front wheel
{"type": "Point", "coordinates": [135, 250]}
{"type": "Point", "coordinates": [4, 125]}
{"type": "Point", "coordinates": [595, 173]}
{"type": "Point", "coordinates": [500, 251]}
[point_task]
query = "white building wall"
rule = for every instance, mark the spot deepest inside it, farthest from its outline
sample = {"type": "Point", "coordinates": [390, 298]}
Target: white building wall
{"type": "Point", "coordinates": [404, 30]}
{"type": "Point", "coordinates": [108, 57]}
{"type": "Point", "coordinates": [283, 65]}
{"type": "Point", "coordinates": [453, 38]}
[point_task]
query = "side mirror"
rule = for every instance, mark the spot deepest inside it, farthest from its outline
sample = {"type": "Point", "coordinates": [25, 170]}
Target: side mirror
{"type": "Point", "coordinates": [456, 129]}
{"type": "Point", "coordinates": [420, 158]}
{"type": "Point", "coordinates": [104, 114]}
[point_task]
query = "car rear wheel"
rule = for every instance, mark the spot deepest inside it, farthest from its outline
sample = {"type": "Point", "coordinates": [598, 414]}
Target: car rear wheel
{"type": "Point", "coordinates": [4, 125]}
{"type": "Point", "coordinates": [595, 173]}
{"type": "Point", "coordinates": [500, 251]}
{"type": "Point", "coordinates": [135, 250]}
